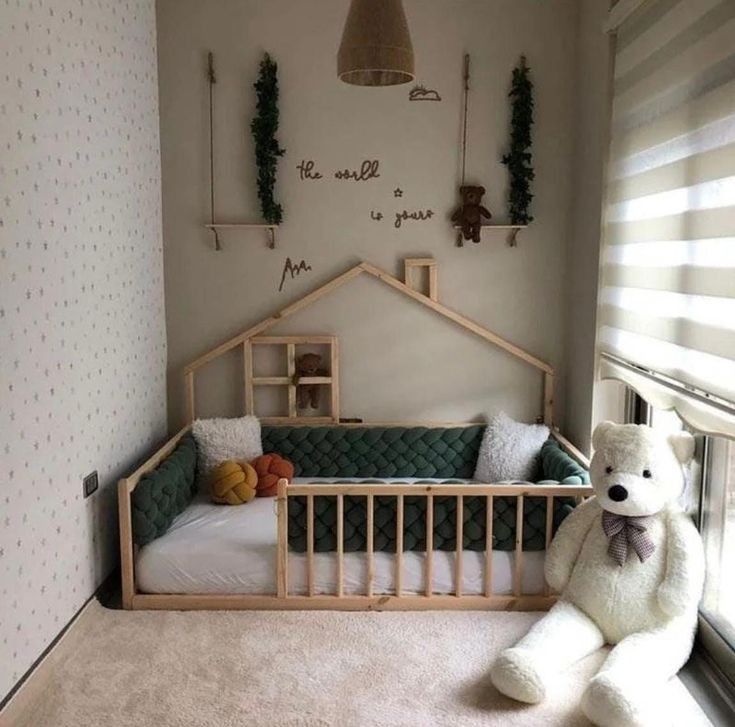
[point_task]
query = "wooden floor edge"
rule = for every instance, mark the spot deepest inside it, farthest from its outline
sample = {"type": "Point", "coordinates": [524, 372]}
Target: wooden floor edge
{"type": "Point", "coordinates": [234, 602]}
{"type": "Point", "coordinates": [37, 680]}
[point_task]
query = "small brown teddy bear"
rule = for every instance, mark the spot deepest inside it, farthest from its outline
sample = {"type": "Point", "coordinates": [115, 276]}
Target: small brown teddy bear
{"type": "Point", "coordinates": [469, 215]}
{"type": "Point", "coordinates": [308, 364]}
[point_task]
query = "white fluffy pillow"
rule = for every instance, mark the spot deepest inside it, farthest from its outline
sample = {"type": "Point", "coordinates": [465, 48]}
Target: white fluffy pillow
{"type": "Point", "coordinates": [222, 439]}
{"type": "Point", "coordinates": [509, 450]}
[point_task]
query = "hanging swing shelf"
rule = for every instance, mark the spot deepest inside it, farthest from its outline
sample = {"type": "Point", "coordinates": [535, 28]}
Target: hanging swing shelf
{"type": "Point", "coordinates": [217, 226]}
{"type": "Point", "coordinates": [213, 226]}
{"type": "Point", "coordinates": [522, 117]}
{"type": "Point", "coordinates": [513, 231]}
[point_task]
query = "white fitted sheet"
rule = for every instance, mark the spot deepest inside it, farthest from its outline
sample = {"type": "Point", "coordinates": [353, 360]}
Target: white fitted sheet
{"type": "Point", "coordinates": [219, 549]}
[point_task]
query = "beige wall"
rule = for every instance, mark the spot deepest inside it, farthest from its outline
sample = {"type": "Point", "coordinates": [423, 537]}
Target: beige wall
{"type": "Point", "coordinates": [592, 120]}
{"type": "Point", "coordinates": [399, 362]}
{"type": "Point", "coordinates": [83, 348]}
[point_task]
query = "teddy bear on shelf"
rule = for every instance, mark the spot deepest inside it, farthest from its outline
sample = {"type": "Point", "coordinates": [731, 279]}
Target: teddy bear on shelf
{"type": "Point", "coordinates": [629, 565]}
{"type": "Point", "coordinates": [308, 365]}
{"type": "Point", "coordinates": [469, 215]}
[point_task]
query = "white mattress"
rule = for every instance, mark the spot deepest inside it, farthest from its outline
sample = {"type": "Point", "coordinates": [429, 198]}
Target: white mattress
{"type": "Point", "coordinates": [217, 549]}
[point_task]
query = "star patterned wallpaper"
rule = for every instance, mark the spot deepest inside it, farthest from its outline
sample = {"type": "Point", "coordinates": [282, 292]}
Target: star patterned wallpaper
{"type": "Point", "coordinates": [82, 330]}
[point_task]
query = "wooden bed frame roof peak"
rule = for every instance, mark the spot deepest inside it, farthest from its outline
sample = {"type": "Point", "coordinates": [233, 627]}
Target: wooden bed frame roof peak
{"type": "Point", "coordinates": [429, 301]}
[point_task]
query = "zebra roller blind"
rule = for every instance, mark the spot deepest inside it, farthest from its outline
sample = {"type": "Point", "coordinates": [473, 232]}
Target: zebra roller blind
{"type": "Point", "coordinates": [666, 318]}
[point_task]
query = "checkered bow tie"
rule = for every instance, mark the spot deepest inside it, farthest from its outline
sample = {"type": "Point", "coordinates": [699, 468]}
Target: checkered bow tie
{"type": "Point", "coordinates": [624, 531]}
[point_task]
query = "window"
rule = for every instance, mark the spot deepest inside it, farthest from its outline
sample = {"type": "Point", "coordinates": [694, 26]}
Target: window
{"type": "Point", "coordinates": [610, 402]}
{"type": "Point", "coordinates": [718, 530]}
{"type": "Point", "coordinates": [638, 411]}
{"type": "Point", "coordinates": [666, 308]}
{"type": "Point", "coordinates": [710, 499]}
{"type": "Point", "coordinates": [665, 421]}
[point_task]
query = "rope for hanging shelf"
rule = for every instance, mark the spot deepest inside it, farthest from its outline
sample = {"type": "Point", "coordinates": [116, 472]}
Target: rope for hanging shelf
{"type": "Point", "coordinates": [466, 77]}
{"type": "Point", "coordinates": [212, 80]}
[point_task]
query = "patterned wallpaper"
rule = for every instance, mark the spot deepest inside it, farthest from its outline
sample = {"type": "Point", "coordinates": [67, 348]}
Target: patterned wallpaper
{"type": "Point", "coordinates": [82, 331]}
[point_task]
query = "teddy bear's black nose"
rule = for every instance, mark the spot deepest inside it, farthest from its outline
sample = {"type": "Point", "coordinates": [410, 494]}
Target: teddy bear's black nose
{"type": "Point", "coordinates": [617, 493]}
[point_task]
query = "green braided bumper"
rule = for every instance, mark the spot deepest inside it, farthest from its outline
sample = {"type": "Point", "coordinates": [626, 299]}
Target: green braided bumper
{"type": "Point", "coordinates": [388, 452]}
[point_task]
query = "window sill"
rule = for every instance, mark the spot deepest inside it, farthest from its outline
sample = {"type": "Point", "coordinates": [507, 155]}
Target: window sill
{"type": "Point", "coordinates": [709, 687]}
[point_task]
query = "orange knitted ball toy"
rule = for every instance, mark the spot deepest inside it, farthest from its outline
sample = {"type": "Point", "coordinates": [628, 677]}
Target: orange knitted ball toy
{"type": "Point", "coordinates": [270, 468]}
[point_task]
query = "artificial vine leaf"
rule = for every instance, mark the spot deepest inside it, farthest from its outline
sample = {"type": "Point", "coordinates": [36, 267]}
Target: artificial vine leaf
{"type": "Point", "coordinates": [519, 158]}
{"type": "Point", "coordinates": [267, 150]}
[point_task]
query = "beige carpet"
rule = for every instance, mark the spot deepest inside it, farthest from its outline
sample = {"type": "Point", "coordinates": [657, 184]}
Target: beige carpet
{"type": "Point", "coordinates": [301, 669]}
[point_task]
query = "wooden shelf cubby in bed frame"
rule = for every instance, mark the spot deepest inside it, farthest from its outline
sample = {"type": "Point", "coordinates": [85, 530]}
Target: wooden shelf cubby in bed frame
{"type": "Point", "coordinates": [290, 344]}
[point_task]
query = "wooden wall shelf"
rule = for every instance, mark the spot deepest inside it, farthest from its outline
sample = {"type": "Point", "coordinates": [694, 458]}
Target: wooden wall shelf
{"type": "Point", "coordinates": [216, 226]}
{"type": "Point", "coordinates": [513, 231]}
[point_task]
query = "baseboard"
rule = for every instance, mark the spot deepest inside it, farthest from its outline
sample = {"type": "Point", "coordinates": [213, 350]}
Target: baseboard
{"type": "Point", "coordinates": [21, 698]}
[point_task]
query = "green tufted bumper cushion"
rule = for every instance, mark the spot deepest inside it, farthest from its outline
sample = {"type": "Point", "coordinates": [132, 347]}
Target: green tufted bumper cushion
{"type": "Point", "coordinates": [165, 492]}
{"type": "Point", "coordinates": [556, 466]}
{"type": "Point", "coordinates": [442, 453]}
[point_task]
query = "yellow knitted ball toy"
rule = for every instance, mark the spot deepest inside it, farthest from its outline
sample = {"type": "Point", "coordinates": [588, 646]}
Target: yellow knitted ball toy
{"type": "Point", "coordinates": [233, 483]}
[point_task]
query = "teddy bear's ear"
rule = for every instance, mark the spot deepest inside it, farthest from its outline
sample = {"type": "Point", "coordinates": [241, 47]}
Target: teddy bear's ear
{"type": "Point", "coordinates": [599, 434]}
{"type": "Point", "coordinates": [481, 191]}
{"type": "Point", "coordinates": [683, 445]}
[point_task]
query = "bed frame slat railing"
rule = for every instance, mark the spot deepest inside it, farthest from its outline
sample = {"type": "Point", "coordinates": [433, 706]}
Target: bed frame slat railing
{"type": "Point", "coordinates": [459, 546]}
{"type": "Point", "coordinates": [548, 532]}
{"type": "Point", "coordinates": [430, 598]}
{"type": "Point", "coordinates": [340, 545]}
{"type": "Point", "coordinates": [518, 560]}
{"type": "Point", "coordinates": [282, 547]}
{"type": "Point", "coordinates": [247, 374]}
{"type": "Point", "coordinates": [310, 543]}
{"type": "Point", "coordinates": [489, 546]}
{"type": "Point", "coordinates": [399, 545]}
{"type": "Point", "coordinates": [429, 545]}
{"type": "Point", "coordinates": [370, 536]}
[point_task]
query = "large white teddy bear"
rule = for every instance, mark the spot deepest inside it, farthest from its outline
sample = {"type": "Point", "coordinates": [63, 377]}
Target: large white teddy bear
{"type": "Point", "coordinates": [629, 566]}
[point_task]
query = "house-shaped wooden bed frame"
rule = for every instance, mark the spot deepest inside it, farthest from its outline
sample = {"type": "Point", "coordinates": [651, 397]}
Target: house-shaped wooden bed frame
{"type": "Point", "coordinates": [283, 599]}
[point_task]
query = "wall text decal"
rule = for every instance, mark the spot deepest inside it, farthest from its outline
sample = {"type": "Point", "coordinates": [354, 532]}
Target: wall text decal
{"type": "Point", "coordinates": [401, 217]}
{"type": "Point", "coordinates": [294, 270]}
{"type": "Point", "coordinates": [306, 170]}
{"type": "Point", "coordinates": [369, 169]}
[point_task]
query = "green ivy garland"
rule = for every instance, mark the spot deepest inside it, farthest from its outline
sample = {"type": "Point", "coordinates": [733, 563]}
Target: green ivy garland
{"type": "Point", "coordinates": [518, 159]}
{"type": "Point", "coordinates": [267, 150]}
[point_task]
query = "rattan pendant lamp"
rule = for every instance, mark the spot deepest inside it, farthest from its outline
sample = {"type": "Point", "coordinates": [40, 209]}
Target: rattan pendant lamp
{"type": "Point", "coordinates": [376, 46]}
